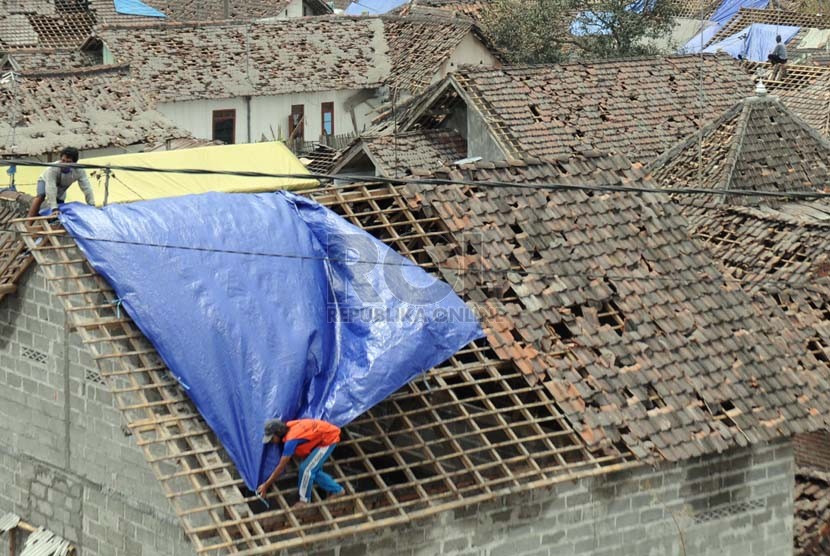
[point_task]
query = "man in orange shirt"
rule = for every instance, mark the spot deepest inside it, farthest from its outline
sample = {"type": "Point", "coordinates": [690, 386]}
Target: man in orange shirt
{"type": "Point", "coordinates": [311, 439]}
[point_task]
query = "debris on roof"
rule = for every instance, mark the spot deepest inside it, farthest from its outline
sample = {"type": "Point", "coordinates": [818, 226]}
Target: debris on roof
{"type": "Point", "coordinates": [758, 144]}
{"type": "Point", "coordinates": [286, 56]}
{"type": "Point", "coordinates": [403, 154]}
{"type": "Point", "coordinates": [812, 512]}
{"type": "Point", "coordinates": [89, 108]}
{"type": "Point", "coordinates": [618, 106]}
{"type": "Point", "coordinates": [39, 541]}
{"type": "Point", "coordinates": [612, 339]}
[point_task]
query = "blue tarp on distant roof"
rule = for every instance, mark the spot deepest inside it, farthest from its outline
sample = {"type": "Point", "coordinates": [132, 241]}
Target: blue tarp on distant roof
{"type": "Point", "coordinates": [136, 7]}
{"type": "Point", "coordinates": [754, 42]}
{"type": "Point", "coordinates": [373, 7]}
{"type": "Point", "coordinates": [720, 17]}
{"type": "Point", "coordinates": [729, 8]}
{"type": "Point", "coordinates": [270, 305]}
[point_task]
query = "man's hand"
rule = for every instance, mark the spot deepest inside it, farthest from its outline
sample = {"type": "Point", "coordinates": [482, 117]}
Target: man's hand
{"type": "Point", "coordinates": [262, 489]}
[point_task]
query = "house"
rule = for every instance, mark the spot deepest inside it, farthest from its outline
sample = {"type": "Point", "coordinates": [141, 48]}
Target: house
{"type": "Point", "coordinates": [624, 399]}
{"type": "Point", "coordinates": [99, 109]}
{"type": "Point", "coordinates": [776, 247]}
{"type": "Point", "coordinates": [637, 108]}
{"type": "Point", "coordinates": [106, 12]}
{"type": "Point", "coordinates": [302, 79]}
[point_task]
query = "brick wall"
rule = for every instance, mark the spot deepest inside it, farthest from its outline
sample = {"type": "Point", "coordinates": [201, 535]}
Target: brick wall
{"type": "Point", "coordinates": [83, 478]}
{"type": "Point", "coordinates": [70, 467]}
{"type": "Point", "coordinates": [813, 450]}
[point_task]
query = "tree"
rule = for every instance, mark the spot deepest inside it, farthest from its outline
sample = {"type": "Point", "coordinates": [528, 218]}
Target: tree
{"type": "Point", "coordinates": [547, 31]}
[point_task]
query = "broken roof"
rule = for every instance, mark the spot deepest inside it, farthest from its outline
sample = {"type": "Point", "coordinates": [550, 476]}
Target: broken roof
{"type": "Point", "coordinates": [199, 10]}
{"type": "Point", "coordinates": [44, 24]}
{"type": "Point", "coordinates": [812, 512]}
{"type": "Point", "coordinates": [405, 153]}
{"type": "Point", "coordinates": [758, 144]}
{"type": "Point", "coordinates": [811, 103]}
{"type": "Point", "coordinates": [454, 8]}
{"type": "Point", "coordinates": [636, 107]}
{"type": "Point", "coordinates": [88, 108]}
{"type": "Point", "coordinates": [611, 337]}
{"type": "Point", "coordinates": [285, 56]}
{"type": "Point", "coordinates": [747, 16]}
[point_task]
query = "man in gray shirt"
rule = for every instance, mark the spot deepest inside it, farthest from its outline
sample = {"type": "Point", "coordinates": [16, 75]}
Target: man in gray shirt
{"type": "Point", "coordinates": [778, 58]}
{"type": "Point", "coordinates": [55, 180]}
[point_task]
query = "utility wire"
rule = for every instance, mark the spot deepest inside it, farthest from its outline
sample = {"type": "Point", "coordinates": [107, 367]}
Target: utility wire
{"type": "Point", "coordinates": [462, 272]}
{"type": "Point", "coordinates": [617, 188]}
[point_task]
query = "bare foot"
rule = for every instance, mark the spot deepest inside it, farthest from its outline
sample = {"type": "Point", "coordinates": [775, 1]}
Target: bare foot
{"type": "Point", "coordinates": [336, 495]}
{"type": "Point", "coordinates": [299, 505]}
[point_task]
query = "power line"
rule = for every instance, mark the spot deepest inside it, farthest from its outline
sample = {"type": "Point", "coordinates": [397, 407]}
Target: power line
{"type": "Point", "coordinates": [435, 267]}
{"type": "Point", "coordinates": [617, 188]}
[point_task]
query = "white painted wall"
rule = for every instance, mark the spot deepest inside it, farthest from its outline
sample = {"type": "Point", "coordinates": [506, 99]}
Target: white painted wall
{"type": "Point", "coordinates": [269, 115]}
{"type": "Point", "coordinates": [470, 52]}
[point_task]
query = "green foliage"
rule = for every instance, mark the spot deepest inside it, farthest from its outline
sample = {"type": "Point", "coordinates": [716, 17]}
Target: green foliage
{"type": "Point", "coordinates": [538, 31]}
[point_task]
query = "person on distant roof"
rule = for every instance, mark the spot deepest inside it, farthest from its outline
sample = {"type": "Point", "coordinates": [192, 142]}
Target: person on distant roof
{"type": "Point", "coordinates": [778, 58]}
{"type": "Point", "coordinates": [55, 180]}
{"type": "Point", "coordinates": [311, 439]}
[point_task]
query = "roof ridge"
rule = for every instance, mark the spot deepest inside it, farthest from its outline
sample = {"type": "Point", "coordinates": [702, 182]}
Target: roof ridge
{"type": "Point", "coordinates": [734, 154]}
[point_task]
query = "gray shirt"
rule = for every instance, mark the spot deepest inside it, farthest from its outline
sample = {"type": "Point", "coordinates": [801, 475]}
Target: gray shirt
{"type": "Point", "coordinates": [780, 51]}
{"type": "Point", "coordinates": [57, 183]}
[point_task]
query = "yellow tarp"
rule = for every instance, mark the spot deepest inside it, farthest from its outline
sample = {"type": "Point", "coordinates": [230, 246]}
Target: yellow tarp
{"type": "Point", "coordinates": [270, 158]}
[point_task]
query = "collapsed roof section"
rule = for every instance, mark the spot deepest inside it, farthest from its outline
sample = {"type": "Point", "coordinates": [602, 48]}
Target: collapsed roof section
{"type": "Point", "coordinates": [812, 512]}
{"type": "Point", "coordinates": [611, 338]}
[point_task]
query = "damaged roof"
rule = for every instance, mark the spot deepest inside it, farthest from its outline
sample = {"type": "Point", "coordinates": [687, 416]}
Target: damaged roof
{"type": "Point", "coordinates": [812, 512]}
{"type": "Point", "coordinates": [811, 102]}
{"type": "Point", "coordinates": [611, 340]}
{"type": "Point", "coordinates": [200, 10]}
{"type": "Point", "coordinates": [285, 56]}
{"type": "Point", "coordinates": [44, 24]}
{"type": "Point", "coordinates": [758, 144]}
{"type": "Point", "coordinates": [88, 108]}
{"type": "Point", "coordinates": [405, 153]}
{"type": "Point", "coordinates": [635, 107]}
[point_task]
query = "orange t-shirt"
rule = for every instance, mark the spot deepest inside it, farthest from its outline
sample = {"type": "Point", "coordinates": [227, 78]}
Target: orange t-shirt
{"type": "Point", "coordinates": [316, 433]}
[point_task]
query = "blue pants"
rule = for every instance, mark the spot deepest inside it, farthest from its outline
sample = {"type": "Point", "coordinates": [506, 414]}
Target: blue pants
{"type": "Point", "coordinates": [311, 473]}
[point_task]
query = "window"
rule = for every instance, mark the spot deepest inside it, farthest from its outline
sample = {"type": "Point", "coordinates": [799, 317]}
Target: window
{"type": "Point", "coordinates": [296, 122]}
{"type": "Point", "coordinates": [224, 126]}
{"type": "Point", "coordinates": [327, 113]}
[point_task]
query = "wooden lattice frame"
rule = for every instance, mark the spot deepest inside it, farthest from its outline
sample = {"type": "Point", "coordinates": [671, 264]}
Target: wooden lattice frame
{"type": "Point", "coordinates": [798, 76]}
{"type": "Point", "coordinates": [472, 429]}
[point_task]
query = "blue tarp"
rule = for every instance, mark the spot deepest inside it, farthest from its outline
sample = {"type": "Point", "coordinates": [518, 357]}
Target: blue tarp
{"type": "Point", "coordinates": [136, 7]}
{"type": "Point", "coordinates": [270, 305]}
{"type": "Point", "coordinates": [373, 7]}
{"type": "Point", "coordinates": [754, 42]}
{"type": "Point", "coordinates": [721, 16]}
{"type": "Point", "coordinates": [729, 8]}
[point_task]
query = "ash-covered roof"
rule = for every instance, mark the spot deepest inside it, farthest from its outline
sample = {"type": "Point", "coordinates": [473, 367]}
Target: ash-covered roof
{"type": "Point", "coordinates": [406, 153]}
{"type": "Point", "coordinates": [199, 10]}
{"type": "Point", "coordinates": [90, 108]}
{"type": "Point", "coordinates": [635, 107]}
{"type": "Point", "coordinates": [811, 102]}
{"type": "Point", "coordinates": [222, 60]}
{"type": "Point", "coordinates": [44, 24]}
{"type": "Point", "coordinates": [758, 144]}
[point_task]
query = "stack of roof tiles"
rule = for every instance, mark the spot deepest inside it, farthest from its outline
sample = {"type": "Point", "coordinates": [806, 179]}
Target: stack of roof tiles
{"type": "Point", "coordinates": [634, 107]}
{"type": "Point", "coordinates": [605, 300]}
{"type": "Point", "coordinates": [93, 108]}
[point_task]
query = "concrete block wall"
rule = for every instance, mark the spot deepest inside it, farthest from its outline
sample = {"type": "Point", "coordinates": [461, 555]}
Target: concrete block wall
{"type": "Point", "coordinates": [734, 504]}
{"type": "Point", "coordinates": [66, 463]}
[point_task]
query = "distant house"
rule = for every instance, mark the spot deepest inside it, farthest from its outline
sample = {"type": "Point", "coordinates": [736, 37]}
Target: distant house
{"type": "Point", "coordinates": [624, 400]}
{"type": "Point", "coordinates": [99, 110]}
{"type": "Point", "coordinates": [306, 79]}
{"type": "Point", "coordinates": [634, 108]}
